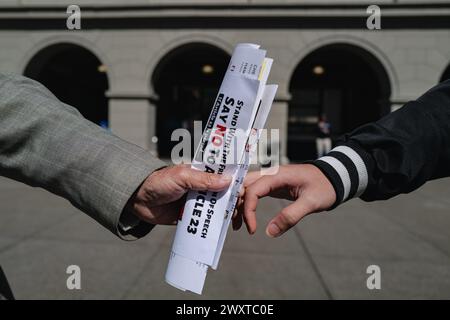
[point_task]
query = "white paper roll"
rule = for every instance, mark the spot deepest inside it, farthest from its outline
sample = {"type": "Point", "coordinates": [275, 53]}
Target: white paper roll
{"type": "Point", "coordinates": [186, 274]}
{"type": "Point", "coordinates": [241, 107]}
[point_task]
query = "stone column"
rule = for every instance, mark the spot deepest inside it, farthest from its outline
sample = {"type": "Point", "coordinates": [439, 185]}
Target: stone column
{"type": "Point", "coordinates": [133, 118]}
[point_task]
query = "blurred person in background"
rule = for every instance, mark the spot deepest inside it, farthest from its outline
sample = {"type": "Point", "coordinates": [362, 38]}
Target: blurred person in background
{"type": "Point", "coordinates": [323, 140]}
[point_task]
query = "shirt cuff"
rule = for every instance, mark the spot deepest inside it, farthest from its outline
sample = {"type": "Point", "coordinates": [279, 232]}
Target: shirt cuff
{"type": "Point", "coordinates": [346, 166]}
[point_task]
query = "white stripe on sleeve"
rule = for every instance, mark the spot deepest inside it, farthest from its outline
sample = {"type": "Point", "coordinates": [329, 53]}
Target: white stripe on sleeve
{"type": "Point", "coordinates": [342, 172]}
{"type": "Point", "coordinates": [360, 167]}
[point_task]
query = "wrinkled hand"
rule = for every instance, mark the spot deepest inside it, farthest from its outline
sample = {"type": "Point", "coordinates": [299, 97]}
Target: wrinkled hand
{"type": "Point", "coordinates": [304, 184]}
{"type": "Point", "coordinates": [161, 196]}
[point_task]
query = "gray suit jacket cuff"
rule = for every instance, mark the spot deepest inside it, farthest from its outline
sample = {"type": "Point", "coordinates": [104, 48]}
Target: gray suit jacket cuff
{"type": "Point", "coordinates": [127, 168]}
{"type": "Point", "coordinates": [131, 227]}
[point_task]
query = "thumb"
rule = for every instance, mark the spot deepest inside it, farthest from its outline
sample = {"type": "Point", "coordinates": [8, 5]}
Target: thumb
{"type": "Point", "coordinates": [199, 180]}
{"type": "Point", "coordinates": [287, 218]}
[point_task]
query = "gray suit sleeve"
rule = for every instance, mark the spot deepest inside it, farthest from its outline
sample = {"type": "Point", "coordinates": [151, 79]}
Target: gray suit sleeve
{"type": "Point", "coordinates": [46, 143]}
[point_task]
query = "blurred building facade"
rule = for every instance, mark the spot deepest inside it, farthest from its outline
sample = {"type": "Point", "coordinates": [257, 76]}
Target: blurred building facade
{"type": "Point", "coordinates": [143, 68]}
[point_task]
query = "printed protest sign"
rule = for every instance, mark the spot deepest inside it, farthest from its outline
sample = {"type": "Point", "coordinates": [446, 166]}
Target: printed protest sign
{"type": "Point", "coordinates": [237, 117]}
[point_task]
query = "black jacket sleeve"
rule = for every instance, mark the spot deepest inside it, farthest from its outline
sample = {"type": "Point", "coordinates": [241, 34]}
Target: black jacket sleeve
{"type": "Point", "coordinates": [396, 154]}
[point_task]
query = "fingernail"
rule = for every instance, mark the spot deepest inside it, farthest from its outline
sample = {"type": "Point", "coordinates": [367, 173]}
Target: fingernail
{"type": "Point", "coordinates": [273, 230]}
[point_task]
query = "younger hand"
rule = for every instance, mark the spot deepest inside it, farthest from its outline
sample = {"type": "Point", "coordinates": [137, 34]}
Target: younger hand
{"type": "Point", "coordinates": [304, 184]}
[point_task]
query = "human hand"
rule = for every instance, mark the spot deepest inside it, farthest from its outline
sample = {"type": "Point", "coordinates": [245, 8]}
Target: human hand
{"type": "Point", "coordinates": [161, 196]}
{"type": "Point", "coordinates": [304, 184]}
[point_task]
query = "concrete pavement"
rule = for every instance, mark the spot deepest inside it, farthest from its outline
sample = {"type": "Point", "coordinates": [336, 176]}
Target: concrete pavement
{"type": "Point", "coordinates": [324, 257]}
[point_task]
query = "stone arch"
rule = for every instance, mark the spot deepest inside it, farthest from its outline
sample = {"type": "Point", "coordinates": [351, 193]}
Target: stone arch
{"type": "Point", "coordinates": [75, 75]}
{"type": "Point", "coordinates": [181, 41]}
{"type": "Point", "coordinates": [75, 40]}
{"type": "Point", "coordinates": [343, 85]}
{"type": "Point", "coordinates": [185, 83]}
{"type": "Point", "coordinates": [388, 66]}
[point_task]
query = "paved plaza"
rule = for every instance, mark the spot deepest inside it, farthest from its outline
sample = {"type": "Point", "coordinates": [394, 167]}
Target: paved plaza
{"type": "Point", "coordinates": [324, 257]}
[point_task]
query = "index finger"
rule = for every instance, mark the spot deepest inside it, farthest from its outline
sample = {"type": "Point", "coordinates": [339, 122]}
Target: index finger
{"type": "Point", "coordinates": [258, 189]}
{"type": "Point", "coordinates": [251, 177]}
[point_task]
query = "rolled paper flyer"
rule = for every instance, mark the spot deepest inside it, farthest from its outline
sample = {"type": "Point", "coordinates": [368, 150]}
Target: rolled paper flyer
{"type": "Point", "coordinates": [238, 115]}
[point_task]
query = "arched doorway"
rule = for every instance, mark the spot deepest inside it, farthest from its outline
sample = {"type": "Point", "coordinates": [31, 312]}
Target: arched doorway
{"type": "Point", "coordinates": [344, 83]}
{"type": "Point", "coordinates": [75, 76]}
{"type": "Point", "coordinates": [446, 74]}
{"type": "Point", "coordinates": [186, 81]}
